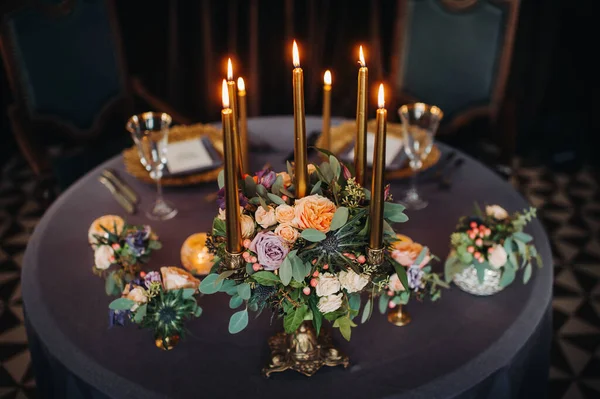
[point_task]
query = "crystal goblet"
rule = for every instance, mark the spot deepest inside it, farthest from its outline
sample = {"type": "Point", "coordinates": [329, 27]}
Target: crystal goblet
{"type": "Point", "coordinates": [150, 132]}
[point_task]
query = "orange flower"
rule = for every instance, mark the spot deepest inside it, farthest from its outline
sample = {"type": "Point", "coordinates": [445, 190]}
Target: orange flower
{"type": "Point", "coordinates": [406, 252]}
{"type": "Point", "coordinates": [314, 212]}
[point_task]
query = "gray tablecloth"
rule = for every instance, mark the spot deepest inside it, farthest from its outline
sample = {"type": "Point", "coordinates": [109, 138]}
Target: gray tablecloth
{"type": "Point", "coordinates": [462, 346]}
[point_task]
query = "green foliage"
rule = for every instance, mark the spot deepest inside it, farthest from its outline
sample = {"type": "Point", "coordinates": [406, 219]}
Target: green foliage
{"type": "Point", "coordinates": [235, 301]}
{"type": "Point", "coordinates": [339, 218]}
{"type": "Point", "coordinates": [218, 228]}
{"type": "Point", "coordinates": [285, 271]}
{"type": "Point", "coordinates": [313, 235]}
{"type": "Point", "coordinates": [211, 284]}
{"type": "Point", "coordinates": [221, 179]}
{"type": "Point", "coordinates": [394, 212]}
{"type": "Point", "coordinates": [293, 318]}
{"type": "Point", "coordinates": [266, 278]}
{"type": "Point", "coordinates": [244, 291]}
{"type": "Point", "coordinates": [345, 325]}
{"type": "Point", "coordinates": [121, 304]}
{"type": "Point", "coordinates": [238, 321]}
{"type": "Point", "coordinates": [367, 311]}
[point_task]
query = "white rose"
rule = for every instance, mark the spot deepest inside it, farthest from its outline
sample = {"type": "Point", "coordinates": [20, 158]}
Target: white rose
{"type": "Point", "coordinates": [396, 284]}
{"type": "Point", "coordinates": [328, 284]}
{"type": "Point", "coordinates": [353, 282]}
{"type": "Point", "coordinates": [498, 256]}
{"type": "Point", "coordinates": [496, 211]}
{"type": "Point", "coordinates": [222, 213]}
{"type": "Point", "coordinates": [247, 224]}
{"type": "Point", "coordinates": [330, 303]}
{"type": "Point", "coordinates": [104, 256]}
{"type": "Point", "coordinates": [287, 232]}
{"type": "Point", "coordinates": [265, 218]}
{"type": "Point", "coordinates": [138, 295]}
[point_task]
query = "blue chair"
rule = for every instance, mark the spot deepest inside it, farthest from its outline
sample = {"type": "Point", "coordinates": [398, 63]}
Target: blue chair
{"type": "Point", "coordinates": [457, 54]}
{"type": "Point", "coordinates": [66, 70]}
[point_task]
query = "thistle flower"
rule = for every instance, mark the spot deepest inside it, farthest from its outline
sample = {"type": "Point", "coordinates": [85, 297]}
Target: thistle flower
{"type": "Point", "coordinates": [167, 312]}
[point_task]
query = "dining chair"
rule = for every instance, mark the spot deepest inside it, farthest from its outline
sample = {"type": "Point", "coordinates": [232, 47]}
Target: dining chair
{"type": "Point", "coordinates": [66, 70]}
{"type": "Point", "coordinates": [457, 54]}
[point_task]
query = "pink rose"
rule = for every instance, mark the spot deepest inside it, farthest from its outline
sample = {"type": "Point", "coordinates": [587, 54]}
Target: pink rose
{"type": "Point", "coordinates": [270, 249]}
{"type": "Point", "coordinates": [406, 253]}
{"type": "Point", "coordinates": [314, 212]}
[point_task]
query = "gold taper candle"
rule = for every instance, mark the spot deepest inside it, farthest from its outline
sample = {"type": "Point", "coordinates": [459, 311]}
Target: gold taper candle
{"type": "Point", "coordinates": [232, 92]}
{"type": "Point", "coordinates": [300, 157]}
{"type": "Point", "coordinates": [377, 188]}
{"type": "Point", "coordinates": [232, 200]}
{"type": "Point", "coordinates": [243, 123]}
{"type": "Point", "coordinates": [360, 144]}
{"type": "Point", "coordinates": [325, 131]}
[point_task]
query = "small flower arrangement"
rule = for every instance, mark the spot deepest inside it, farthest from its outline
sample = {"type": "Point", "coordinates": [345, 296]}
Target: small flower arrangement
{"type": "Point", "coordinates": [306, 258]}
{"type": "Point", "coordinates": [162, 302]}
{"type": "Point", "coordinates": [420, 281]}
{"type": "Point", "coordinates": [493, 241]}
{"type": "Point", "coordinates": [116, 243]}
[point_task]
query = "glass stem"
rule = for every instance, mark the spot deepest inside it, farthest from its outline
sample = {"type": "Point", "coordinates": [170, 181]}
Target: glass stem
{"type": "Point", "coordinates": [413, 193]}
{"type": "Point", "coordinates": [159, 194]}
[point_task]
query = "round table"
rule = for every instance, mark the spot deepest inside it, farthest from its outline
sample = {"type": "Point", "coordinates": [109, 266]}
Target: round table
{"type": "Point", "coordinates": [461, 346]}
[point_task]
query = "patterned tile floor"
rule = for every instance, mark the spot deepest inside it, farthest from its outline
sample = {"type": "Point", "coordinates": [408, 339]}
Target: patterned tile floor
{"type": "Point", "coordinates": [569, 206]}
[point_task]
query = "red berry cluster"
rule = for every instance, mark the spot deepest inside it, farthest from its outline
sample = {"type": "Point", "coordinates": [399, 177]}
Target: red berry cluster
{"type": "Point", "coordinates": [477, 233]}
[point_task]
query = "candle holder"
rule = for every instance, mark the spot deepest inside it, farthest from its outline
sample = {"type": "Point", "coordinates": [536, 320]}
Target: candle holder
{"type": "Point", "coordinates": [398, 316]}
{"type": "Point", "coordinates": [375, 257]}
{"type": "Point", "coordinates": [234, 261]}
{"type": "Point", "coordinates": [303, 351]}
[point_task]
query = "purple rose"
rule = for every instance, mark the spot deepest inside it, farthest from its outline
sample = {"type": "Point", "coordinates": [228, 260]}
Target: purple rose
{"type": "Point", "coordinates": [266, 177]}
{"type": "Point", "coordinates": [270, 249]}
{"type": "Point", "coordinates": [151, 277]}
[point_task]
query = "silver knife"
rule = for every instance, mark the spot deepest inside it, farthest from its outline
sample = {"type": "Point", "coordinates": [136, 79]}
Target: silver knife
{"type": "Point", "coordinates": [121, 199]}
{"type": "Point", "coordinates": [121, 185]}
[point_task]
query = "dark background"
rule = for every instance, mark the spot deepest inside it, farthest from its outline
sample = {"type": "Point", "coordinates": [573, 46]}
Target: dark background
{"type": "Point", "coordinates": [552, 75]}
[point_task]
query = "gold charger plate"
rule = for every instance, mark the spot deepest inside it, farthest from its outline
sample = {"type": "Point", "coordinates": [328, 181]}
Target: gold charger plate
{"type": "Point", "coordinates": [342, 136]}
{"type": "Point", "coordinates": [133, 166]}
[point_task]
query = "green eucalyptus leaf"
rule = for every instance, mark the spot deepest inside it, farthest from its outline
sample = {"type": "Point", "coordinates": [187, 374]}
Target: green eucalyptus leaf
{"type": "Point", "coordinates": [293, 318]}
{"type": "Point", "coordinates": [401, 272]}
{"type": "Point", "coordinates": [285, 271]}
{"type": "Point", "coordinates": [367, 310]}
{"type": "Point", "coordinates": [210, 285]}
{"type": "Point", "coordinates": [523, 237]}
{"type": "Point", "coordinates": [367, 194]}
{"type": "Point", "coordinates": [110, 285]}
{"type": "Point", "coordinates": [345, 325]}
{"type": "Point", "coordinates": [244, 291]}
{"type": "Point", "coordinates": [263, 203]}
{"type": "Point", "coordinates": [298, 269]}
{"type": "Point", "coordinates": [316, 188]}
{"type": "Point", "coordinates": [198, 311]}
{"type": "Point", "coordinates": [261, 190]}
{"type": "Point", "coordinates": [452, 266]}
{"type": "Point", "coordinates": [394, 212]}
{"type": "Point", "coordinates": [235, 301]}
{"type": "Point", "coordinates": [508, 276]}
{"type": "Point", "coordinates": [339, 218]}
{"type": "Point", "coordinates": [383, 303]}
{"type": "Point", "coordinates": [354, 301]}
{"type": "Point", "coordinates": [140, 313]}
{"type": "Point", "coordinates": [219, 227]}
{"type": "Point", "coordinates": [335, 167]}
{"type": "Point", "coordinates": [421, 256]}
{"type": "Point", "coordinates": [188, 293]}
{"type": "Point", "coordinates": [277, 185]}
{"type": "Point", "coordinates": [221, 179]}
{"type": "Point", "coordinates": [224, 275]}
{"type": "Point", "coordinates": [238, 321]}
{"type": "Point", "coordinates": [527, 273]}
{"type": "Point", "coordinates": [121, 304]}
{"type": "Point", "coordinates": [266, 278]}
{"type": "Point", "coordinates": [327, 172]}
{"type": "Point", "coordinates": [480, 267]}
{"type": "Point", "coordinates": [276, 199]}
{"type": "Point", "coordinates": [313, 235]}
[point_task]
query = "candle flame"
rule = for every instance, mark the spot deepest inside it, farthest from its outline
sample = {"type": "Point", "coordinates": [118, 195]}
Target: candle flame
{"type": "Point", "coordinates": [380, 97]}
{"type": "Point", "coordinates": [361, 57]}
{"type": "Point", "coordinates": [229, 70]}
{"type": "Point", "coordinates": [225, 94]}
{"type": "Point", "coordinates": [296, 56]}
{"type": "Point", "coordinates": [327, 77]}
{"type": "Point", "coordinates": [241, 85]}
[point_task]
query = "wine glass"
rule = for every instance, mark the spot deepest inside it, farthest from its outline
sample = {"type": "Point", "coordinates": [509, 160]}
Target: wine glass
{"type": "Point", "coordinates": [150, 132]}
{"type": "Point", "coordinates": [419, 124]}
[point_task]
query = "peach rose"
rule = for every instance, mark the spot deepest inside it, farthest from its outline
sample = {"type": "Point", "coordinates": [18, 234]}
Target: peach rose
{"type": "Point", "coordinates": [266, 218]}
{"type": "Point", "coordinates": [174, 278]}
{"type": "Point", "coordinates": [314, 212]}
{"type": "Point", "coordinates": [311, 168]}
{"type": "Point", "coordinates": [287, 232]}
{"type": "Point", "coordinates": [287, 179]}
{"type": "Point", "coordinates": [406, 252]}
{"type": "Point", "coordinates": [284, 214]}
{"type": "Point", "coordinates": [107, 221]}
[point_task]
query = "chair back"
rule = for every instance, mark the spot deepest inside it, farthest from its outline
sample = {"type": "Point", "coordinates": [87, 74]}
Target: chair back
{"type": "Point", "coordinates": [64, 63]}
{"type": "Point", "coordinates": [455, 54]}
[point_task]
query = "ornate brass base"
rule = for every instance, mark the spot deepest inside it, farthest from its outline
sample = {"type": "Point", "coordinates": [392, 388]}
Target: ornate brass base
{"type": "Point", "coordinates": [398, 316]}
{"type": "Point", "coordinates": [303, 351]}
{"type": "Point", "coordinates": [375, 256]}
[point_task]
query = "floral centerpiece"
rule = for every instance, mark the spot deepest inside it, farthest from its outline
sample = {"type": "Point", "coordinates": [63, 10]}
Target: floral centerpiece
{"type": "Point", "coordinates": [119, 244]}
{"type": "Point", "coordinates": [162, 302]}
{"type": "Point", "coordinates": [489, 248]}
{"type": "Point", "coordinates": [306, 258]}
